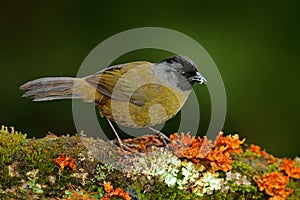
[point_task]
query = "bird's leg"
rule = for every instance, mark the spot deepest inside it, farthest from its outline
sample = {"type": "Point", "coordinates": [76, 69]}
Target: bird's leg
{"type": "Point", "coordinates": [118, 138]}
{"type": "Point", "coordinates": [163, 137]}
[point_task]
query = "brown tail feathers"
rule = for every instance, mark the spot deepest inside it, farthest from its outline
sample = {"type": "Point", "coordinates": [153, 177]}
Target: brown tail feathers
{"type": "Point", "coordinates": [50, 88]}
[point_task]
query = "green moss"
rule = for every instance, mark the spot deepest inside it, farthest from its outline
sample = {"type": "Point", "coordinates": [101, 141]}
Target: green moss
{"type": "Point", "coordinates": [95, 184]}
{"type": "Point", "coordinates": [237, 193]}
{"type": "Point", "coordinates": [161, 192]}
{"type": "Point", "coordinates": [249, 153]}
{"type": "Point", "coordinates": [295, 185]}
{"type": "Point", "coordinates": [246, 192]}
{"type": "Point", "coordinates": [272, 168]}
{"type": "Point", "coordinates": [10, 143]}
{"type": "Point", "coordinates": [21, 156]}
{"type": "Point", "coordinates": [244, 169]}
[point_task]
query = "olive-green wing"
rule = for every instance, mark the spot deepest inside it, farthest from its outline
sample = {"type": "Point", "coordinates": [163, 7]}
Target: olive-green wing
{"type": "Point", "coordinates": [119, 82]}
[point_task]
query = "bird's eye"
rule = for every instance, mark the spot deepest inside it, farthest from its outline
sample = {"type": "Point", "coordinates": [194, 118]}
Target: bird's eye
{"type": "Point", "coordinates": [183, 73]}
{"type": "Point", "coordinates": [169, 61]}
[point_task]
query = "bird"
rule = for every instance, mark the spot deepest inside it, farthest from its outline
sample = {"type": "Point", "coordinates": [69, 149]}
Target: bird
{"type": "Point", "coordinates": [138, 94]}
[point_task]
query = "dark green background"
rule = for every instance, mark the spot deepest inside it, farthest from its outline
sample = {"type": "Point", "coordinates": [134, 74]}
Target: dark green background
{"type": "Point", "coordinates": [256, 46]}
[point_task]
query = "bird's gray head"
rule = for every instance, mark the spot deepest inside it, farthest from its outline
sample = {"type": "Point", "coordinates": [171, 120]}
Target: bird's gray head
{"type": "Point", "coordinates": [183, 68]}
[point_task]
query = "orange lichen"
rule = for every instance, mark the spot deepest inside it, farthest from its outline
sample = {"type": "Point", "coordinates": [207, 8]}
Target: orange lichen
{"type": "Point", "coordinates": [190, 147]}
{"type": "Point", "coordinates": [185, 139]}
{"type": "Point", "coordinates": [256, 149]}
{"type": "Point", "coordinates": [290, 168]}
{"type": "Point", "coordinates": [232, 143]}
{"type": "Point", "coordinates": [220, 159]}
{"type": "Point", "coordinates": [111, 192]}
{"type": "Point", "coordinates": [274, 184]}
{"type": "Point", "coordinates": [65, 161]}
{"type": "Point", "coordinates": [202, 150]}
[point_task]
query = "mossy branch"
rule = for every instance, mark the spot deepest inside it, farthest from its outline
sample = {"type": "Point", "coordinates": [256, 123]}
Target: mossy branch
{"type": "Point", "coordinates": [79, 167]}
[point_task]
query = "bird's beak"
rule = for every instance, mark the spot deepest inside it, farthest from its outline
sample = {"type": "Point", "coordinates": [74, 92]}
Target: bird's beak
{"type": "Point", "coordinates": [199, 79]}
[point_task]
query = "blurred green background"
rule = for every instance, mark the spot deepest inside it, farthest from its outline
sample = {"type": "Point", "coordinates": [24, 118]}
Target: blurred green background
{"type": "Point", "coordinates": [256, 46]}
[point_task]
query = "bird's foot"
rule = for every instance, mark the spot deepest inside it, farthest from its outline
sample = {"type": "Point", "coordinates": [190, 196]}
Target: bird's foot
{"type": "Point", "coordinates": [162, 136]}
{"type": "Point", "coordinates": [127, 149]}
